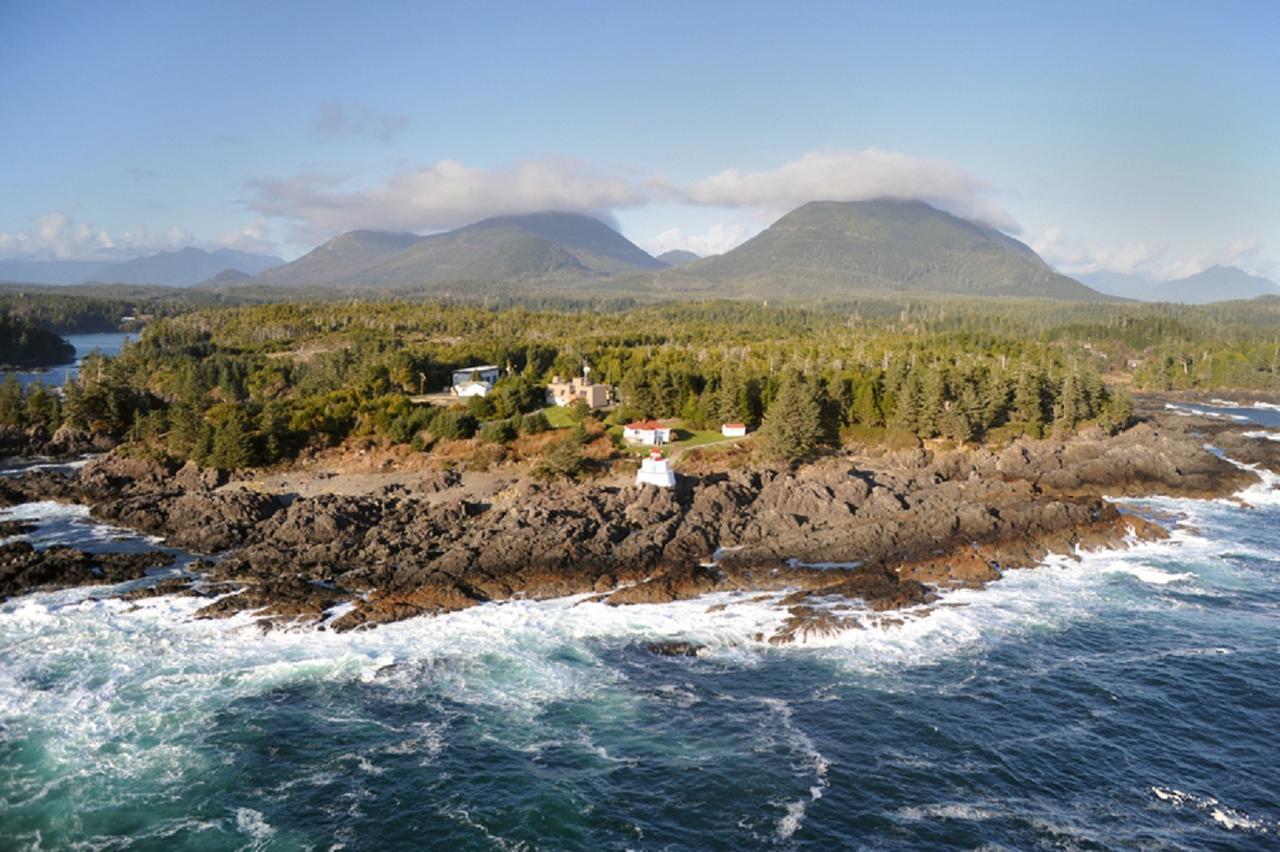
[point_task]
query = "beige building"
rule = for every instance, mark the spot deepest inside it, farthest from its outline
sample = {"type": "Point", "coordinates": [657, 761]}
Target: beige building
{"type": "Point", "coordinates": [563, 392]}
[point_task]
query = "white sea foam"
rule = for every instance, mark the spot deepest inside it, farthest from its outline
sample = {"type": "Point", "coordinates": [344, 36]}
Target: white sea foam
{"type": "Point", "coordinates": [1200, 411]}
{"type": "Point", "coordinates": [1232, 819]}
{"type": "Point", "coordinates": [253, 824]}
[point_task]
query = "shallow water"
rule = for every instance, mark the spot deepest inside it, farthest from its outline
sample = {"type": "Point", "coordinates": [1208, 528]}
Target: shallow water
{"type": "Point", "coordinates": [1125, 699]}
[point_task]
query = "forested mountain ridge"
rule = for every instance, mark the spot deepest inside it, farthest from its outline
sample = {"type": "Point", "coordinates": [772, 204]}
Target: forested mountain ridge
{"type": "Point", "coordinates": [549, 248]}
{"type": "Point", "coordinates": [833, 249]}
{"type": "Point", "coordinates": [822, 250]}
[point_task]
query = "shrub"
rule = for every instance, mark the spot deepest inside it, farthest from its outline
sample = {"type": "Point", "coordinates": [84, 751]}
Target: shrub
{"type": "Point", "coordinates": [453, 425]}
{"type": "Point", "coordinates": [498, 432]}
{"type": "Point", "coordinates": [535, 423]}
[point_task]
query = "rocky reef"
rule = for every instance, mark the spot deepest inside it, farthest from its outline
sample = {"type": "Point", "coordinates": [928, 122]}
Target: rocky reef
{"type": "Point", "coordinates": [873, 532]}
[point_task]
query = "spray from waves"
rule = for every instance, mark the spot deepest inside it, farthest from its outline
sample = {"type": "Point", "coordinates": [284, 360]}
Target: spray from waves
{"type": "Point", "coordinates": [1262, 435]}
{"type": "Point", "coordinates": [1232, 819]}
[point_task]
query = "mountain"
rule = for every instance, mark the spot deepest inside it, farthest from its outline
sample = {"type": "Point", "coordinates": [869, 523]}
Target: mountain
{"type": "Point", "coordinates": [1216, 284]}
{"type": "Point", "coordinates": [678, 257]}
{"type": "Point", "coordinates": [549, 248]}
{"type": "Point", "coordinates": [227, 278]}
{"type": "Point", "coordinates": [182, 268]}
{"type": "Point", "coordinates": [340, 259]}
{"type": "Point", "coordinates": [1120, 284]}
{"type": "Point", "coordinates": [47, 271]}
{"type": "Point", "coordinates": [829, 249]}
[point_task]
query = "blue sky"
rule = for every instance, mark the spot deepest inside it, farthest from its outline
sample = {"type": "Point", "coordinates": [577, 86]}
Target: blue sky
{"type": "Point", "coordinates": [1141, 137]}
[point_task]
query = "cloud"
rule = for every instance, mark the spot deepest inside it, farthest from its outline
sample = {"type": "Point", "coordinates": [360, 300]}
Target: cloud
{"type": "Point", "coordinates": [1074, 256]}
{"type": "Point", "coordinates": [854, 176]}
{"type": "Point", "coordinates": [57, 236]}
{"type": "Point", "coordinates": [335, 118]}
{"type": "Point", "coordinates": [718, 239]}
{"type": "Point", "coordinates": [253, 237]}
{"type": "Point", "coordinates": [442, 196]}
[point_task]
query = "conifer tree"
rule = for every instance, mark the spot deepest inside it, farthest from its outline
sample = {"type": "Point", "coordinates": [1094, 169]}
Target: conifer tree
{"type": "Point", "coordinates": [793, 425]}
{"type": "Point", "coordinates": [232, 444]}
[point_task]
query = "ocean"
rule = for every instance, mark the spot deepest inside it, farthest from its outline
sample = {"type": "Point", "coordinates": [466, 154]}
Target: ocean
{"type": "Point", "coordinates": [1123, 699]}
{"type": "Point", "coordinates": [107, 343]}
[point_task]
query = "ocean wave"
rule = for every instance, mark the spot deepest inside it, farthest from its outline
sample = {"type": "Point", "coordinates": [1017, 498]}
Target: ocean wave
{"type": "Point", "coordinates": [1230, 818]}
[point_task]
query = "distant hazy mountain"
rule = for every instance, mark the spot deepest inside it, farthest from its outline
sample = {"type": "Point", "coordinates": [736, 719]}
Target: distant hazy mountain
{"type": "Point", "coordinates": [340, 259]}
{"type": "Point", "coordinates": [227, 278]}
{"type": "Point", "coordinates": [1120, 284]}
{"type": "Point", "coordinates": [828, 249]}
{"type": "Point", "coordinates": [48, 271]}
{"type": "Point", "coordinates": [678, 257]}
{"type": "Point", "coordinates": [1215, 284]}
{"type": "Point", "coordinates": [550, 248]}
{"type": "Point", "coordinates": [182, 268]}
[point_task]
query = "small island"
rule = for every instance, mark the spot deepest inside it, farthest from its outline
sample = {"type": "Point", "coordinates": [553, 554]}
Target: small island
{"type": "Point", "coordinates": [24, 345]}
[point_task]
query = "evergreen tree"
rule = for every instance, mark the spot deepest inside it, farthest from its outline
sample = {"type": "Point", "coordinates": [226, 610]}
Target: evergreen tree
{"type": "Point", "coordinates": [933, 402]}
{"type": "Point", "coordinates": [906, 414]}
{"type": "Point", "coordinates": [232, 444]}
{"type": "Point", "coordinates": [865, 408]}
{"type": "Point", "coordinates": [1028, 398]}
{"type": "Point", "coordinates": [11, 403]}
{"type": "Point", "coordinates": [793, 425]}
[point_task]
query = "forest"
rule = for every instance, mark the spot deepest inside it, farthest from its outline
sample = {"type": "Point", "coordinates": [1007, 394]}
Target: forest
{"type": "Point", "coordinates": [24, 344]}
{"type": "Point", "coordinates": [256, 385]}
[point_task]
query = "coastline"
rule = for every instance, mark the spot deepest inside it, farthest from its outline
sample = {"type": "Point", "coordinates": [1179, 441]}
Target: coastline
{"type": "Point", "coordinates": [829, 542]}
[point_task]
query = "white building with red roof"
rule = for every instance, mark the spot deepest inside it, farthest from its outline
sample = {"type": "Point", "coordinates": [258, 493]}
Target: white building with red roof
{"type": "Point", "coordinates": [651, 433]}
{"type": "Point", "coordinates": [733, 430]}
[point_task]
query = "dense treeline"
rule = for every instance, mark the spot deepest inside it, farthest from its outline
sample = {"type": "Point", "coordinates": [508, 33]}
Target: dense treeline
{"type": "Point", "coordinates": [254, 385]}
{"type": "Point", "coordinates": [89, 309]}
{"type": "Point", "coordinates": [23, 344]}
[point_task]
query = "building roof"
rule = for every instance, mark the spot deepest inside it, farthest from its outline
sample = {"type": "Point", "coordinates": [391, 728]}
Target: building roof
{"type": "Point", "coordinates": [477, 368]}
{"type": "Point", "coordinates": [734, 426]}
{"type": "Point", "coordinates": [645, 425]}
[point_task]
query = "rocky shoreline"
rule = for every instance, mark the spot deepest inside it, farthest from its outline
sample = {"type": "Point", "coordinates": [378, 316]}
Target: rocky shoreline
{"type": "Point", "coordinates": [830, 542]}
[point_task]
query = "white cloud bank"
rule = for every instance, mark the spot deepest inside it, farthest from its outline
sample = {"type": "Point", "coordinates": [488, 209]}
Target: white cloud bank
{"type": "Point", "coordinates": [443, 196]}
{"type": "Point", "coordinates": [718, 239]}
{"type": "Point", "coordinates": [1075, 256]}
{"type": "Point", "coordinates": [854, 176]}
{"type": "Point", "coordinates": [449, 193]}
{"type": "Point", "coordinates": [57, 236]}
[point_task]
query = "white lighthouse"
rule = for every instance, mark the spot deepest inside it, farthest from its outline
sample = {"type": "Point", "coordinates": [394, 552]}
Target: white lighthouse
{"type": "Point", "coordinates": [656, 470]}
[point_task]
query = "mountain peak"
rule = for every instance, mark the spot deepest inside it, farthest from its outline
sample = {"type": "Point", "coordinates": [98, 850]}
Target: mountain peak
{"type": "Point", "coordinates": [833, 249]}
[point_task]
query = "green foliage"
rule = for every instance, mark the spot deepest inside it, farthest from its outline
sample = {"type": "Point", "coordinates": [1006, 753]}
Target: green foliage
{"type": "Point", "coordinates": [453, 424]}
{"type": "Point", "coordinates": [23, 344]}
{"type": "Point", "coordinates": [793, 425]}
{"type": "Point", "coordinates": [316, 373]}
{"type": "Point", "coordinates": [563, 459]}
{"type": "Point", "coordinates": [498, 432]}
{"type": "Point", "coordinates": [534, 423]}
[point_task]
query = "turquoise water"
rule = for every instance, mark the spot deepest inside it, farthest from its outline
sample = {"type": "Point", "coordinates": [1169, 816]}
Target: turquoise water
{"type": "Point", "coordinates": [1127, 699]}
{"type": "Point", "coordinates": [108, 343]}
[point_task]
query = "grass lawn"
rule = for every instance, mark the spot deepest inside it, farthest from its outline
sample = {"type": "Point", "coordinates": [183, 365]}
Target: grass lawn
{"type": "Point", "coordinates": [681, 439]}
{"type": "Point", "coordinates": [558, 416]}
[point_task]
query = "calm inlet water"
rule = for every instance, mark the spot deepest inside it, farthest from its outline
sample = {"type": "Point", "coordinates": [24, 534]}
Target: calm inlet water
{"type": "Point", "coordinates": [1126, 699]}
{"type": "Point", "coordinates": [109, 343]}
